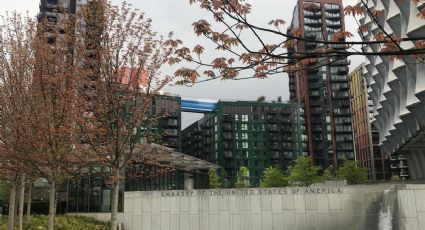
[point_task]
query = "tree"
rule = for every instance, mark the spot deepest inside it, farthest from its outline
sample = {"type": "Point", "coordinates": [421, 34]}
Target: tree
{"type": "Point", "coordinates": [17, 36]}
{"type": "Point", "coordinates": [121, 83]}
{"type": "Point", "coordinates": [39, 77]}
{"type": "Point", "coordinates": [303, 172]}
{"type": "Point", "coordinates": [55, 151]}
{"type": "Point", "coordinates": [4, 191]}
{"type": "Point", "coordinates": [327, 175]}
{"type": "Point", "coordinates": [352, 173]}
{"type": "Point", "coordinates": [273, 177]}
{"type": "Point", "coordinates": [261, 99]}
{"type": "Point", "coordinates": [242, 179]}
{"type": "Point", "coordinates": [279, 99]}
{"type": "Point", "coordinates": [285, 54]}
{"type": "Point", "coordinates": [214, 179]}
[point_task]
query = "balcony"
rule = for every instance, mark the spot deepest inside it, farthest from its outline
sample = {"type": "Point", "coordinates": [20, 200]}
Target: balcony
{"type": "Point", "coordinates": [274, 155]}
{"type": "Point", "coordinates": [342, 62]}
{"type": "Point", "coordinates": [317, 129]}
{"type": "Point", "coordinates": [272, 119]}
{"type": "Point", "coordinates": [287, 121]}
{"type": "Point", "coordinates": [314, 77]}
{"type": "Point", "coordinates": [339, 78]}
{"type": "Point", "coordinates": [171, 123]}
{"type": "Point", "coordinates": [227, 120]}
{"type": "Point", "coordinates": [314, 85]}
{"type": "Point", "coordinates": [402, 166]}
{"type": "Point", "coordinates": [333, 24]}
{"type": "Point", "coordinates": [227, 128]}
{"type": "Point", "coordinates": [312, 70]}
{"type": "Point", "coordinates": [312, 22]}
{"type": "Point", "coordinates": [332, 15]}
{"type": "Point", "coordinates": [342, 70]}
{"type": "Point", "coordinates": [339, 95]}
{"type": "Point", "coordinates": [273, 138]}
{"type": "Point", "coordinates": [314, 93]}
{"type": "Point", "coordinates": [317, 138]}
{"type": "Point", "coordinates": [227, 137]}
{"type": "Point", "coordinates": [316, 120]}
{"type": "Point", "coordinates": [332, 8]}
{"type": "Point", "coordinates": [338, 46]}
{"type": "Point", "coordinates": [311, 45]}
{"type": "Point", "coordinates": [316, 111]}
{"type": "Point", "coordinates": [308, 14]}
{"type": "Point", "coordinates": [317, 146]}
{"type": "Point", "coordinates": [228, 145]}
{"type": "Point", "coordinates": [401, 157]}
{"type": "Point", "coordinates": [272, 129]}
{"type": "Point", "coordinates": [228, 154]}
{"type": "Point", "coordinates": [315, 103]}
{"type": "Point", "coordinates": [288, 147]}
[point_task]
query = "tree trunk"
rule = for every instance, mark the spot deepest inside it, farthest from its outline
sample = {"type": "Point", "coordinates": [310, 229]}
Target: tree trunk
{"type": "Point", "coordinates": [12, 199]}
{"type": "Point", "coordinates": [29, 200]}
{"type": "Point", "coordinates": [21, 200]}
{"type": "Point", "coordinates": [114, 202]}
{"type": "Point", "coordinates": [52, 199]}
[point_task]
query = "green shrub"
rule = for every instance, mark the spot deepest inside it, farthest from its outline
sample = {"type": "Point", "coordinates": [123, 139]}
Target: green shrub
{"type": "Point", "coordinates": [242, 179]}
{"type": "Point", "coordinates": [353, 173]}
{"type": "Point", "coordinates": [327, 175]}
{"type": "Point", "coordinates": [303, 172]}
{"type": "Point", "coordinates": [66, 222]}
{"type": "Point", "coordinates": [214, 179]}
{"type": "Point", "coordinates": [273, 178]}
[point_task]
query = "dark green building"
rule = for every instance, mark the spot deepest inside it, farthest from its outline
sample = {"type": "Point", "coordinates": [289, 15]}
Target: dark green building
{"type": "Point", "coordinates": [248, 133]}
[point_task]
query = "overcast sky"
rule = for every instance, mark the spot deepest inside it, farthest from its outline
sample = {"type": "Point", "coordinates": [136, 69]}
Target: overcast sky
{"type": "Point", "coordinates": [178, 16]}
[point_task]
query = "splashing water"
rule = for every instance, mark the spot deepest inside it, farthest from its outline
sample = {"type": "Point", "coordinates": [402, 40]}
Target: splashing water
{"type": "Point", "coordinates": [387, 210]}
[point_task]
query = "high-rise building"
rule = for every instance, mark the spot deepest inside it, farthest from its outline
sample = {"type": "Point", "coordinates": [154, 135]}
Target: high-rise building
{"type": "Point", "coordinates": [397, 85]}
{"type": "Point", "coordinates": [366, 138]}
{"type": "Point", "coordinates": [323, 86]}
{"type": "Point", "coordinates": [248, 133]}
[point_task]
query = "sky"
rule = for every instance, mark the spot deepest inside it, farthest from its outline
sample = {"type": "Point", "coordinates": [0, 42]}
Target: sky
{"type": "Point", "coordinates": [178, 16]}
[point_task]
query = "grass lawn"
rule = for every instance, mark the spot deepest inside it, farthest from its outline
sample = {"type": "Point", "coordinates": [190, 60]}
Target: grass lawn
{"type": "Point", "coordinates": [62, 223]}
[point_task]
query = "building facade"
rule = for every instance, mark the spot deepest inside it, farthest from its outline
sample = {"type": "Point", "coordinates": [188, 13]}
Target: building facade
{"type": "Point", "coordinates": [397, 85]}
{"type": "Point", "coordinates": [248, 133]}
{"type": "Point", "coordinates": [366, 138]}
{"type": "Point", "coordinates": [323, 87]}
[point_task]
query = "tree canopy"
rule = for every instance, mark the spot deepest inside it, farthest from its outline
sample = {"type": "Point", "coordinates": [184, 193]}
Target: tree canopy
{"type": "Point", "coordinates": [268, 57]}
{"type": "Point", "coordinates": [273, 177]}
{"type": "Point", "coordinates": [302, 172]}
{"type": "Point", "coordinates": [353, 173]}
{"type": "Point", "coordinates": [242, 179]}
{"type": "Point", "coordinates": [214, 179]}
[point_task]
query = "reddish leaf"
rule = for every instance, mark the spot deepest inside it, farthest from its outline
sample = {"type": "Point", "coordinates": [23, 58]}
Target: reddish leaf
{"type": "Point", "coordinates": [353, 10]}
{"type": "Point", "coordinates": [341, 35]}
{"type": "Point", "coordinates": [277, 22]}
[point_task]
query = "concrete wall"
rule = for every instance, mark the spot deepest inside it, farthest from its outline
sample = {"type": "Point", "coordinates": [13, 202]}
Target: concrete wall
{"type": "Point", "coordinates": [410, 208]}
{"type": "Point", "coordinates": [326, 208]}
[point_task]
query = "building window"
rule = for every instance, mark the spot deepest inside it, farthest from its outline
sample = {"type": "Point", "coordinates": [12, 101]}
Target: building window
{"type": "Point", "coordinates": [244, 136]}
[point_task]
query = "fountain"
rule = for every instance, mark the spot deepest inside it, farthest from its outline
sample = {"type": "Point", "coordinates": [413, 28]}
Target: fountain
{"type": "Point", "coordinates": [387, 210]}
